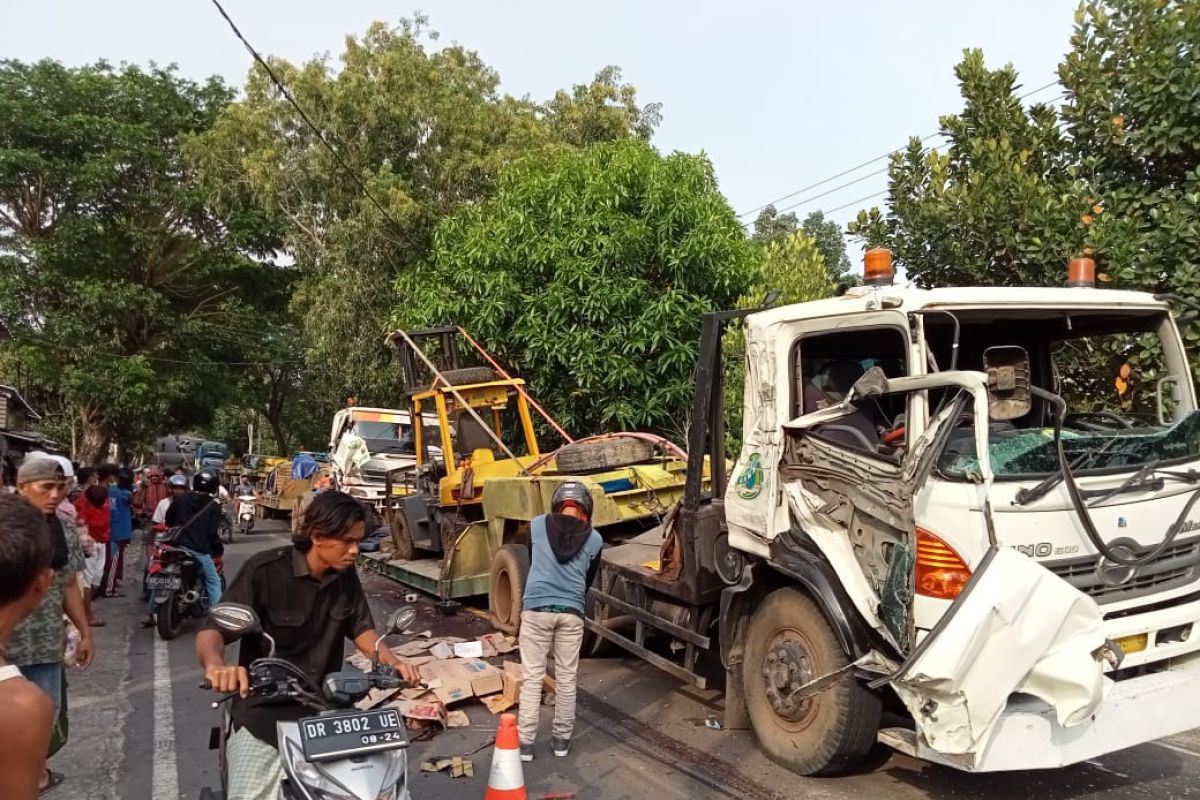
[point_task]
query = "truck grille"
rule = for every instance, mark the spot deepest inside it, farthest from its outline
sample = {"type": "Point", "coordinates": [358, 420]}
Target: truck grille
{"type": "Point", "coordinates": [1175, 566]}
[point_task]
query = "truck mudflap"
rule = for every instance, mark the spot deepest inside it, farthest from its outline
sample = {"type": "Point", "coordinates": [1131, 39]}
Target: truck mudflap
{"type": "Point", "coordinates": [1017, 639]}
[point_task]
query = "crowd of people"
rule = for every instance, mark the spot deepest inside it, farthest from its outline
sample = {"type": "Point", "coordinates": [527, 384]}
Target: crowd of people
{"type": "Point", "coordinates": [64, 537]}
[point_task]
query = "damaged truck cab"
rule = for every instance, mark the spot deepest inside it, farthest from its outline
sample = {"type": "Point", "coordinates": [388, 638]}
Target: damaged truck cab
{"type": "Point", "coordinates": [973, 506]}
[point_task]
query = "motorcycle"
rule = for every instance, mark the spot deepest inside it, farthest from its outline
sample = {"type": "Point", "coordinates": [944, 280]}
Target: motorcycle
{"type": "Point", "coordinates": [245, 512]}
{"type": "Point", "coordinates": [340, 751]}
{"type": "Point", "coordinates": [175, 583]}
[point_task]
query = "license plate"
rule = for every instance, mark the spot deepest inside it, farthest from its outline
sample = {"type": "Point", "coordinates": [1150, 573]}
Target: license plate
{"type": "Point", "coordinates": [163, 582]}
{"type": "Point", "coordinates": [353, 733]}
{"type": "Point", "coordinates": [1133, 644]}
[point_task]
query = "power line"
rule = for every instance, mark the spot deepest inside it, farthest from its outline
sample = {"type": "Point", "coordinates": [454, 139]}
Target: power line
{"type": "Point", "coordinates": [857, 167]}
{"type": "Point", "coordinates": [827, 192]}
{"type": "Point", "coordinates": [856, 202]}
{"type": "Point", "coordinates": [824, 181]}
{"type": "Point", "coordinates": [287, 95]}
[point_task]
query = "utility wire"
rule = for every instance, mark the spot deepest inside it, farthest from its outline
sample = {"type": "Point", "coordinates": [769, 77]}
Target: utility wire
{"type": "Point", "coordinates": [856, 202]}
{"type": "Point", "coordinates": [287, 95]}
{"type": "Point", "coordinates": [857, 167]}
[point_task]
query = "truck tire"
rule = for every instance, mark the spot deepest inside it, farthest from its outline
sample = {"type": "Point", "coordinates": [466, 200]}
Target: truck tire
{"type": "Point", "coordinates": [469, 375]}
{"type": "Point", "coordinates": [789, 643]}
{"type": "Point", "coordinates": [585, 457]}
{"type": "Point", "coordinates": [402, 541]}
{"type": "Point", "coordinates": [506, 587]}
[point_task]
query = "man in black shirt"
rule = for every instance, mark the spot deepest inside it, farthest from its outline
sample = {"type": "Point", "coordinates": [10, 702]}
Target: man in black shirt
{"type": "Point", "coordinates": [197, 516]}
{"type": "Point", "coordinates": [310, 601]}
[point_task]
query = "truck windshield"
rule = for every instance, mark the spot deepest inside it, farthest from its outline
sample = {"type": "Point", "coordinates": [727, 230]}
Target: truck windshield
{"type": "Point", "coordinates": [1106, 364]}
{"type": "Point", "coordinates": [385, 437]}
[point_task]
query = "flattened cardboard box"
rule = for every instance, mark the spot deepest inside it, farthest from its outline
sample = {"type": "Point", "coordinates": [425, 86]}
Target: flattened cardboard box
{"type": "Point", "coordinates": [461, 678]}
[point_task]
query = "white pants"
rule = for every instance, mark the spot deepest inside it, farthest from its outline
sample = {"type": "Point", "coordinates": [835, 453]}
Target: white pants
{"type": "Point", "coordinates": [93, 568]}
{"type": "Point", "coordinates": [542, 635]}
{"type": "Point", "coordinates": [254, 768]}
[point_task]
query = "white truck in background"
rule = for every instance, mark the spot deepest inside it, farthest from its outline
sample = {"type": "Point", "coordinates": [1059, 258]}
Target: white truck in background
{"type": "Point", "coordinates": [963, 505]}
{"type": "Point", "coordinates": [364, 445]}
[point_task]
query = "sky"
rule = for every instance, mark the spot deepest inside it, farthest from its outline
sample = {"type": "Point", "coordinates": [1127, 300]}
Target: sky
{"type": "Point", "coordinates": [780, 96]}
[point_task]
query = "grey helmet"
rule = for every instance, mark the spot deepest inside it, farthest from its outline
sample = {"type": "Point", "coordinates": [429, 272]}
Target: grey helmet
{"type": "Point", "coordinates": [575, 492]}
{"type": "Point", "coordinates": [178, 482]}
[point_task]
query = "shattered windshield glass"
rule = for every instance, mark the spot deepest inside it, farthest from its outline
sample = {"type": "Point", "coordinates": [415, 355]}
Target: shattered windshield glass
{"type": "Point", "coordinates": [1032, 452]}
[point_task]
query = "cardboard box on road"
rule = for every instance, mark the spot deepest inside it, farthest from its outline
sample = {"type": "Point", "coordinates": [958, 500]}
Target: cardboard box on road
{"type": "Point", "coordinates": [462, 678]}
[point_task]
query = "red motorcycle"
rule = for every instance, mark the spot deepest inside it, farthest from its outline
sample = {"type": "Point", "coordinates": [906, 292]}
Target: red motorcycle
{"type": "Point", "coordinates": [175, 584]}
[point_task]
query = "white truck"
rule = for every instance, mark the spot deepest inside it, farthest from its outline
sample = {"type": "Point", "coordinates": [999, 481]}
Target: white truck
{"type": "Point", "coordinates": [964, 505]}
{"type": "Point", "coordinates": [364, 445]}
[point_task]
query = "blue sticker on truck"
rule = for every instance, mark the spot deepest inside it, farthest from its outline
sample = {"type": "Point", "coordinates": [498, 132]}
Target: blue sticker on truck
{"type": "Point", "coordinates": [749, 483]}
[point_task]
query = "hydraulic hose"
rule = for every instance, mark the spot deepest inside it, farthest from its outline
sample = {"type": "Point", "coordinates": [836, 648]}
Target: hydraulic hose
{"type": "Point", "coordinates": [1081, 509]}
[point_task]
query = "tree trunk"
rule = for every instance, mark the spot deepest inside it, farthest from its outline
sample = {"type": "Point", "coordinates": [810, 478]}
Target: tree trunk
{"type": "Point", "coordinates": [281, 437]}
{"type": "Point", "coordinates": [97, 436]}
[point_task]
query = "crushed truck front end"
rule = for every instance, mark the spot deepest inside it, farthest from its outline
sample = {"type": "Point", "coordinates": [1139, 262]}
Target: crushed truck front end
{"type": "Point", "coordinates": [1001, 484]}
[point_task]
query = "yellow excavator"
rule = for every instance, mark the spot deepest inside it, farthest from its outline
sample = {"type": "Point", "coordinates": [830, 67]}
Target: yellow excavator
{"type": "Point", "coordinates": [459, 518]}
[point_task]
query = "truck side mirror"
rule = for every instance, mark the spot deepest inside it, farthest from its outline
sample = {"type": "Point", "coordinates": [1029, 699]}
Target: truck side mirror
{"type": "Point", "coordinates": [873, 383]}
{"type": "Point", "coordinates": [1008, 372]}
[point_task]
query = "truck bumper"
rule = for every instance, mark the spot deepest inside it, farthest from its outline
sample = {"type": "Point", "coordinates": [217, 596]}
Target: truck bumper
{"type": "Point", "coordinates": [1027, 735]}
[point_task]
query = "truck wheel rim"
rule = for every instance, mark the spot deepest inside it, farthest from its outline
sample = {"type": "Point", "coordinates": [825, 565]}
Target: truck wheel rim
{"type": "Point", "coordinates": [787, 666]}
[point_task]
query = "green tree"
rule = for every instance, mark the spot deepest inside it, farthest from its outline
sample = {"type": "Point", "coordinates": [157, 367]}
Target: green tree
{"type": "Point", "coordinates": [424, 130]}
{"type": "Point", "coordinates": [124, 294]}
{"type": "Point", "coordinates": [1003, 205]}
{"type": "Point", "coordinates": [771, 226]}
{"type": "Point", "coordinates": [829, 239]}
{"type": "Point", "coordinates": [1132, 81]}
{"type": "Point", "coordinates": [587, 273]}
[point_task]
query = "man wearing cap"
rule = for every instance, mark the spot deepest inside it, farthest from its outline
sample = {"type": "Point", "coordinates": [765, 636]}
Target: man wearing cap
{"type": "Point", "coordinates": [565, 556]}
{"type": "Point", "coordinates": [36, 644]}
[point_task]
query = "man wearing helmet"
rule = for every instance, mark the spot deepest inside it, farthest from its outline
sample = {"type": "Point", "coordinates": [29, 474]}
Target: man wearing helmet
{"type": "Point", "coordinates": [198, 517]}
{"type": "Point", "coordinates": [565, 554]}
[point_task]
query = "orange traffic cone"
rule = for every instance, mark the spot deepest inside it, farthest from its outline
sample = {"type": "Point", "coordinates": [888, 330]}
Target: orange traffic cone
{"type": "Point", "coordinates": [507, 779]}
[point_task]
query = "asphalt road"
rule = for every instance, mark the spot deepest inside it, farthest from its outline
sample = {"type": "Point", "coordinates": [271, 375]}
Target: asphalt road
{"type": "Point", "coordinates": [139, 730]}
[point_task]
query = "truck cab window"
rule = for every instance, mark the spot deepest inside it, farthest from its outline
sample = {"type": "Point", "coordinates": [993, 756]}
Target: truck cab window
{"type": "Point", "coordinates": [825, 368]}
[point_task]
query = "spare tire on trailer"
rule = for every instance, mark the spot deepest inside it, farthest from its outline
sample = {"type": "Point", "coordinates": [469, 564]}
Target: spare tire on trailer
{"type": "Point", "coordinates": [584, 457]}
{"type": "Point", "coordinates": [506, 587]}
{"type": "Point", "coordinates": [469, 375]}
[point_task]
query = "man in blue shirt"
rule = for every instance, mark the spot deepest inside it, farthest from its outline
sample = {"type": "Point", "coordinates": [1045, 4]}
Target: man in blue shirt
{"type": "Point", "coordinates": [120, 496]}
{"type": "Point", "coordinates": [565, 555]}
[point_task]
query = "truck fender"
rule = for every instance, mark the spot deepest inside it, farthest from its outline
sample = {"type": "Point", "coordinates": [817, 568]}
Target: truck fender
{"type": "Point", "coordinates": [815, 575]}
{"type": "Point", "coordinates": [791, 566]}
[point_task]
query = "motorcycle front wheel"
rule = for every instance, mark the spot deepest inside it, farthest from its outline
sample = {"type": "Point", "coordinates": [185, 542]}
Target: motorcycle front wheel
{"type": "Point", "coordinates": [168, 616]}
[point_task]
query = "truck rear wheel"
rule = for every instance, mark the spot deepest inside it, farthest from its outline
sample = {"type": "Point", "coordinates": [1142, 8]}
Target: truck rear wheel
{"type": "Point", "coordinates": [402, 541]}
{"type": "Point", "coordinates": [506, 587]}
{"type": "Point", "coordinates": [788, 644]}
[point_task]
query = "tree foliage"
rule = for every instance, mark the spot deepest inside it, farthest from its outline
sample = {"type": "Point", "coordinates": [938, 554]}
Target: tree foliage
{"type": "Point", "coordinates": [770, 226]}
{"type": "Point", "coordinates": [1002, 206]}
{"type": "Point", "coordinates": [586, 273]}
{"type": "Point", "coordinates": [123, 292]}
{"type": "Point", "coordinates": [1113, 173]}
{"type": "Point", "coordinates": [424, 130]}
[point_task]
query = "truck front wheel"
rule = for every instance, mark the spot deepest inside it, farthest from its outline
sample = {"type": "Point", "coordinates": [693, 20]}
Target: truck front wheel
{"type": "Point", "coordinates": [788, 644]}
{"type": "Point", "coordinates": [506, 589]}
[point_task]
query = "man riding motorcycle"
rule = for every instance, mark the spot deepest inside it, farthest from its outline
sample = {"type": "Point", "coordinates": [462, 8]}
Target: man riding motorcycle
{"type": "Point", "coordinates": [197, 516]}
{"type": "Point", "coordinates": [310, 601]}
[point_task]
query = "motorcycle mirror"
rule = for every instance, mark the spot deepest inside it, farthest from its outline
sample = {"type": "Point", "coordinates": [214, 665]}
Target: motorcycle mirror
{"type": "Point", "coordinates": [401, 619]}
{"type": "Point", "coordinates": [236, 618]}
